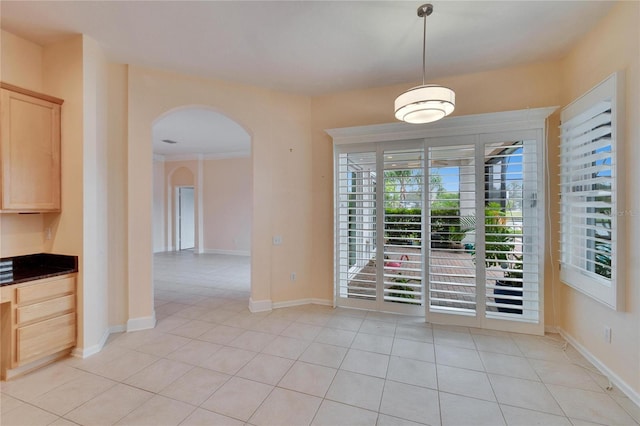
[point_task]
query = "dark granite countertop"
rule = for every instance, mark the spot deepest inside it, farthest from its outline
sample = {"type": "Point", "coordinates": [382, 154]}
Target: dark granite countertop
{"type": "Point", "coordinates": [18, 269]}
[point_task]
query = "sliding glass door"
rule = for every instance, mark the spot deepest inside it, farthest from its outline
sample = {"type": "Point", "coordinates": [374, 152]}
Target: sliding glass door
{"type": "Point", "coordinates": [452, 271]}
{"type": "Point", "coordinates": [379, 228]}
{"type": "Point", "coordinates": [485, 219]}
{"type": "Point", "coordinates": [401, 242]}
{"type": "Point", "coordinates": [448, 227]}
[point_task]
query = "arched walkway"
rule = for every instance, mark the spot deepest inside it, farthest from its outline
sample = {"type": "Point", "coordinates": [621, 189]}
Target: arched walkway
{"type": "Point", "coordinates": [198, 147]}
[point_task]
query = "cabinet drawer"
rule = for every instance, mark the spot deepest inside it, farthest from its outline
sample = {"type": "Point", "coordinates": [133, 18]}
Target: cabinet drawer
{"type": "Point", "coordinates": [45, 290]}
{"type": "Point", "coordinates": [6, 294]}
{"type": "Point", "coordinates": [45, 338]}
{"type": "Point", "coordinates": [48, 308]}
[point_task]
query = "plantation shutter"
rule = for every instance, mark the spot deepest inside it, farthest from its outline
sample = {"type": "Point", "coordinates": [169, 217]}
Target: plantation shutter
{"type": "Point", "coordinates": [452, 270]}
{"type": "Point", "coordinates": [512, 176]}
{"type": "Point", "coordinates": [403, 201]}
{"type": "Point", "coordinates": [589, 187]}
{"type": "Point", "coordinates": [356, 225]}
{"type": "Point", "coordinates": [415, 231]}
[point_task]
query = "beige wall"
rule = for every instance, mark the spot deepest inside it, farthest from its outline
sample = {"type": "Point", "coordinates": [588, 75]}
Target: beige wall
{"type": "Point", "coordinates": [117, 195]}
{"type": "Point", "coordinates": [21, 234]}
{"type": "Point", "coordinates": [225, 201]}
{"type": "Point", "coordinates": [63, 62]}
{"type": "Point", "coordinates": [182, 173]}
{"type": "Point", "coordinates": [64, 79]}
{"type": "Point", "coordinates": [20, 62]}
{"type": "Point", "coordinates": [76, 71]}
{"type": "Point", "coordinates": [95, 192]}
{"type": "Point", "coordinates": [159, 216]}
{"type": "Point", "coordinates": [613, 45]}
{"type": "Point", "coordinates": [227, 205]}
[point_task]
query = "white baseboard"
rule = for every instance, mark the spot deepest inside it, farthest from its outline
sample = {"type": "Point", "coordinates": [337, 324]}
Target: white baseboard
{"type": "Point", "coordinates": [260, 305]}
{"type": "Point", "coordinates": [134, 324]}
{"type": "Point", "coordinates": [613, 377]}
{"type": "Point", "coordinates": [300, 302]}
{"type": "Point", "coordinates": [323, 302]}
{"type": "Point", "coordinates": [142, 323]}
{"type": "Point", "coordinates": [231, 252]}
{"type": "Point", "coordinates": [267, 305]}
{"type": "Point", "coordinates": [117, 328]}
{"type": "Point", "coordinates": [93, 349]}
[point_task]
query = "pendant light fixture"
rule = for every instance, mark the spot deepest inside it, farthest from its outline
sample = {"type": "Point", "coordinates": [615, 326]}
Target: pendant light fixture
{"type": "Point", "coordinates": [428, 102]}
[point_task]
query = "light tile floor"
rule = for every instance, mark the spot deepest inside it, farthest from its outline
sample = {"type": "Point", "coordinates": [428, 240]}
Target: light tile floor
{"type": "Point", "coordinates": [210, 361]}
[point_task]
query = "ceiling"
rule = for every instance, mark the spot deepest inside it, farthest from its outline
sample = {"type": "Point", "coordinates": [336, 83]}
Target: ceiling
{"type": "Point", "coordinates": [312, 47]}
{"type": "Point", "coordinates": [199, 131]}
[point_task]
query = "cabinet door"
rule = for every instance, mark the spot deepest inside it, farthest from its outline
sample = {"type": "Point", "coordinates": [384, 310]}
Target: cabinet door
{"type": "Point", "coordinates": [45, 338]}
{"type": "Point", "coordinates": [29, 153]}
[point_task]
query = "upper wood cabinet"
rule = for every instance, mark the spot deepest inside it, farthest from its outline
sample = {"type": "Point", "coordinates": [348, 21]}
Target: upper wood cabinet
{"type": "Point", "coordinates": [29, 151]}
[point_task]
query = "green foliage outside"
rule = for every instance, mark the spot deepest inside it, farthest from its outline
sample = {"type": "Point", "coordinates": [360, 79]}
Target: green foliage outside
{"type": "Point", "coordinates": [445, 217]}
{"type": "Point", "coordinates": [401, 291]}
{"type": "Point", "coordinates": [402, 225]}
{"type": "Point", "coordinates": [499, 237]}
{"type": "Point", "coordinates": [603, 259]}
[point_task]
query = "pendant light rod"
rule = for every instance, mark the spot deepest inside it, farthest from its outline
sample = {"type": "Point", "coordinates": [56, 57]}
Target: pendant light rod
{"type": "Point", "coordinates": [424, 11]}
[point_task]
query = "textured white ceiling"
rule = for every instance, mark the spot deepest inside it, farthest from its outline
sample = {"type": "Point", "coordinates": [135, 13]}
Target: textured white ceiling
{"type": "Point", "coordinates": [312, 47]}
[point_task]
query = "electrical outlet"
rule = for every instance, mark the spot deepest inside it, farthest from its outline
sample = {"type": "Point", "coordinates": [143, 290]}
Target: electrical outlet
{"type": "Point", "coordinates": [293, 276]}
{"type": "Point", "coordinates": [48, 233]}
{"type": "Point", "coordinates": [277, 240]}
{"type": "Point", "coordinates": [607, 334]}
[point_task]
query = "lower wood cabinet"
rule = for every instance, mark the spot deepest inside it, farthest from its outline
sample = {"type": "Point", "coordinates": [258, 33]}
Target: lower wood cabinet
{"type": "Point", "coordinates": [45, 338]}
{"type": "Point", "coordinates": [38, 320]}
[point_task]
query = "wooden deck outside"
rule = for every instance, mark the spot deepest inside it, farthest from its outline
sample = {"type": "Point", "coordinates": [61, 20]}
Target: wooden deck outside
{"type": "Point", "coordinates": [451, 276]}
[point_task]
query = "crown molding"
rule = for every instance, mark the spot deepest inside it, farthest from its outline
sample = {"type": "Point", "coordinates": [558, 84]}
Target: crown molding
{"type": "Point", "coordinates": [530, 118]}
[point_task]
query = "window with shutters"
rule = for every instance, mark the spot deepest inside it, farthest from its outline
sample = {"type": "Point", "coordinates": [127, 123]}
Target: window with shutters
{"type": "Point", "coordinates": [590, 193]}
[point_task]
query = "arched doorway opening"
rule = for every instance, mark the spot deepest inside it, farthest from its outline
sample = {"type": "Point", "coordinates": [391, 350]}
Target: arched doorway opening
{"type": "Point", "coordinates": [202, 173]}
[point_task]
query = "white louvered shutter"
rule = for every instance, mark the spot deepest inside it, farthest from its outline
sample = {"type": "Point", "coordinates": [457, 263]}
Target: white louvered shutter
{"type": "Point", "coordinates": [589, 191]}
{"type": "Point", "coordinates": [356, 225]}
